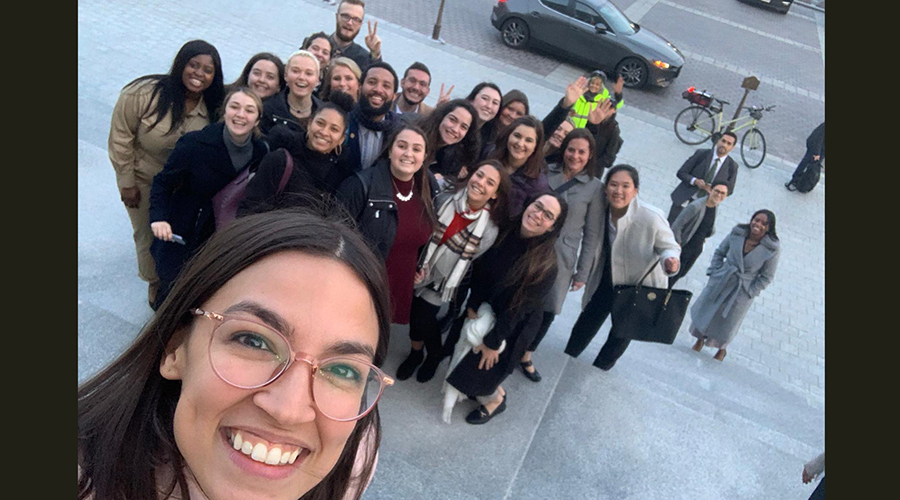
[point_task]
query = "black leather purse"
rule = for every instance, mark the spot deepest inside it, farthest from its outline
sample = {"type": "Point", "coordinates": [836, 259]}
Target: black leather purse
{"type": "Point", "coordinates": [648, 314]}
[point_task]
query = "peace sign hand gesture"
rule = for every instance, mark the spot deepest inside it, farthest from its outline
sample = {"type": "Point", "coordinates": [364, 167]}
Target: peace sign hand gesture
{"type": "Point", "coordinates": [373, 42]}
{"type": "Point", "coordinates": [444, 97]}
{"type": "Point", "coordinates": [603, 111]}
{"type": "Point", "coordinates": [575, 90]}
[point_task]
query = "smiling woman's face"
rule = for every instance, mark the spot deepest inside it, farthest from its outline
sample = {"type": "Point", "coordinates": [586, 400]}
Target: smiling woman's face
{"type": "Point", "coordinates": [325, 310]}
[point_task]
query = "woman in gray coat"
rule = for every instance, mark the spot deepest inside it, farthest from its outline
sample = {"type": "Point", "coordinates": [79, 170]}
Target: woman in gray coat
{"type": "Point", "coordinates": [742, 266]}
{"type": "Point", "coordinates": [575, 181]}
{"type": "Point", "coordinates": [635, 237]}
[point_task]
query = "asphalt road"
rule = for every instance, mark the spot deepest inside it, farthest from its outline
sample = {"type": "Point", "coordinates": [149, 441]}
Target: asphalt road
{"type": "Point", "coordinates": [724, 41]}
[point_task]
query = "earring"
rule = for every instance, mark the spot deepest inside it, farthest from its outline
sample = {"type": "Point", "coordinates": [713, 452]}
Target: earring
{"type": "Point", "coordinates": [339, 149]}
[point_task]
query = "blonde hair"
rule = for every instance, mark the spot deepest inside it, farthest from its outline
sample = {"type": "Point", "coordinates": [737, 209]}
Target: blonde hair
{"type": "Point", "coordinates": [256, 100]}
{"type": "Point", "coordinates": [304, 53]}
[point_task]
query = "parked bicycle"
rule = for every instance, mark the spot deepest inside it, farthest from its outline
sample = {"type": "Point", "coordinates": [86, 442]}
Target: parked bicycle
{"type": "Point", "coordinates": [703, 120]}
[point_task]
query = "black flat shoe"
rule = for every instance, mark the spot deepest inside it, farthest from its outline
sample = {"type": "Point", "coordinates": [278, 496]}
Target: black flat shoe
{"type": "Point", "coordinates": [426, 371]}
{"type": "Point", "coordinates": [532, 376]}
{"type": "Point", "coordinates": [409, 365]}
{"type": "Point", "coordinates": [480, 415]}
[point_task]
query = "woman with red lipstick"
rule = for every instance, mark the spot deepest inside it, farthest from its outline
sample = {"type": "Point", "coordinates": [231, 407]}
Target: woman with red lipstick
{"type": "Point", "coordinates": [202, 163]}
{"type": "Point", "coordinates": [452, 139]}
{"type": "Point", "coordinates": [256, 379]}
{"type": "Point", "coordinates": [152, 113]}
{"type": "Point", "coordinates": [742, 266]}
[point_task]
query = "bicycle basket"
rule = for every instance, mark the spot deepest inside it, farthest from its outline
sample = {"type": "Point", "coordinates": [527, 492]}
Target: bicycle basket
{"type": "Point", "coordinates": [698, 98]}
{"type": "Point", "coordinates": [756, 113]}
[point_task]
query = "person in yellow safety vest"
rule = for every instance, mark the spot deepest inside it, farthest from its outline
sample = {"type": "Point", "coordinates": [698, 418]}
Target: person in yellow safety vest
{"type": "Point", "coordinates": [596, 94]}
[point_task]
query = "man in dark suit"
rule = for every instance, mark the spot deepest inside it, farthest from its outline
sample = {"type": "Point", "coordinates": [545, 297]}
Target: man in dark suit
{"type": "Point", "coordinates": [701, 170]}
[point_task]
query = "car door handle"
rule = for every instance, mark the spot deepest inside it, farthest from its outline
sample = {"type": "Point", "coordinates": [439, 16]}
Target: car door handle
{"type": "Point", "coordinates": [535, 14]}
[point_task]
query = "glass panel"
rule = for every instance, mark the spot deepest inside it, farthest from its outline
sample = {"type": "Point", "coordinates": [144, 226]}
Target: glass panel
{"type": "Point", "coordinates": [557, 5]}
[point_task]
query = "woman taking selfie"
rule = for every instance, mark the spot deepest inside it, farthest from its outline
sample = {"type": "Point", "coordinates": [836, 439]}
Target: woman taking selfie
{"type": "Point", "coordinates": [468, 222]}
{"type": "Point", "coordinates": [452, 139]}
{"type": "Point", "coordinates": [575, 181]}
{"type": "Point", "coordinates": [203, 162]}
{"type": "Point", "coordinates": [263, 74]}
{"type": "Point", "coordinates": [742, 267]}
{"type": "Point", "coordinates": [635, 237]}
{"type": "Point", "coordinates": [296, 103]}
{"type": "Point", "coordinates": [391, 202]}
{"type": "Point", "coordinates": [513, 277]}
{"type": "Point", "coordinates": [315, 172]}
{"type": "Point", "coordinates": [234, 389]}
{"type": "Point", "coordinates": [519, 149]}
{"type": "Point", "coordinates": [152, 113]}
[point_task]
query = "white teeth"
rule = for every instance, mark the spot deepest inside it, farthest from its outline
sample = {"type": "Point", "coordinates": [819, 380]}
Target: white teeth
{"type": "Point", "coordinates": [274, 456]}
{"type": "Point", "coordinates": [285, 457]}
{"type": "Point", "coordinates": [293, 456]}
{"type": "Point", "coordinates": [259, 452]}
{"type": "Point", "coordinates": [246, 448]}
{"type": "Point", "coordinates": [238, 441]}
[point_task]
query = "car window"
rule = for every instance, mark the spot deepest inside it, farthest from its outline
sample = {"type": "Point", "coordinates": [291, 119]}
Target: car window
{"type": "Point", "coordinates": [557, 5]}
{"type": "Point", "coordinates": [586, 14]}
{"type": "Point", "coordinates": [615, 19]}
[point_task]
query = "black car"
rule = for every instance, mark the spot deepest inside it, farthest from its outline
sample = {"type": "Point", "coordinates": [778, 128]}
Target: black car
{"type": "Point", "coordinates": [777, 5]}
{"type": "Point", "coordinates": [593, 33]}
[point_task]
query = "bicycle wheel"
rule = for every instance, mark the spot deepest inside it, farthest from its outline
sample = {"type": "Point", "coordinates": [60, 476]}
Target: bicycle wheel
{"type": "Point", "coordinates": [694, 125]}
{"type": "Point", "coordinates": [753, 148]}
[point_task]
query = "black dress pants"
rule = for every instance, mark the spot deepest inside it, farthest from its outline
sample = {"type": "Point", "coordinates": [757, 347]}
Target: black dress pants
{"type": "Point", "coordinates": [688, 259]}
{"type": "Point", "coordinates": [546, 320]}
{"type": "Point", "coordinates": [589, 323]}
{"type": "Point", "coordinates": [423, 326]}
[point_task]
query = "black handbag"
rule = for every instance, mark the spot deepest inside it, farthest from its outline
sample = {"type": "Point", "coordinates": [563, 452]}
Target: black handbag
{"type": "Point", "coordinates": [648, 314]}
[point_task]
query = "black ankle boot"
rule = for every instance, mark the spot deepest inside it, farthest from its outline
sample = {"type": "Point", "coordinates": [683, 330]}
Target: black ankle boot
{"type": "Point", "coordinates": [409, 365]}
{"type": "Point", "coordinates": [426, 371]}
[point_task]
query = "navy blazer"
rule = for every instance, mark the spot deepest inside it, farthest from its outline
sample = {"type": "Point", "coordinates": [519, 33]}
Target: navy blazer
{"type": "Point", "coordinates": [696, 166]}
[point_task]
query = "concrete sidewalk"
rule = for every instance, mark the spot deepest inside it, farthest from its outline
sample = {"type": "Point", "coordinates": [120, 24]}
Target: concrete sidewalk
{"type": "Point", "coordinates": [666, 422]}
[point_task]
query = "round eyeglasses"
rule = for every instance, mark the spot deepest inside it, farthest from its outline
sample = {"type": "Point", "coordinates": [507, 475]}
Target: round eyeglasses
{"type": "Point", "coordinates": [248, 355]}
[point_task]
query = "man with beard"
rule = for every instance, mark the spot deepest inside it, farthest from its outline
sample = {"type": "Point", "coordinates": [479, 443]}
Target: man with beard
{"type": "Point", "coordinates": [703, 169]}
{"type": "Point", "coordinates": [349, 18]}
{"type": "Point", "coordinates": [414, 88]}
{"type": "Point", "coordinates": [371, 121]}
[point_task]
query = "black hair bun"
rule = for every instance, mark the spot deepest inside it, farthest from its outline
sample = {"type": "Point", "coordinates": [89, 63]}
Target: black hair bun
{"type": "Point", "coordinates": [342, 100]}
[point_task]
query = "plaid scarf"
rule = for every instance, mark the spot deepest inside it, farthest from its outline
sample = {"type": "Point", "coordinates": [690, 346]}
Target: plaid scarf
{"type": "Point", "coordinates": [451, 259]}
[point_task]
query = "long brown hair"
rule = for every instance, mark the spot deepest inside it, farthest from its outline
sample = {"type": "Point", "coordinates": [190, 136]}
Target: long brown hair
{"type": "Point", "coordinates": [468, 145]}
{"type": "Point", "coordinates": [499, 206]}
{"type": "Point", "coordinates": [127, 410]}
{"type": "Point", "coordinates": [535, 163]}
{"type": "Point", "coordinates": [540, 258]}
{"type": "Point", "coordinates": [422, 178]}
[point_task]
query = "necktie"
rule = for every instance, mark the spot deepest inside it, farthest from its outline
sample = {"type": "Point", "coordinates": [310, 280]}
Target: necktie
{"type": "Point", "coordinates": [710, 175]}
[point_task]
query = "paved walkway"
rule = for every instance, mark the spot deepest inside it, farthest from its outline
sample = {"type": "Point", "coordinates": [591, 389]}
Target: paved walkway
{"type": "Point", "coordinates": [665, 423]}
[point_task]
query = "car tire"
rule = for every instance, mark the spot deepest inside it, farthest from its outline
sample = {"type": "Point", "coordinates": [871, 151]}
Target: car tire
{"type": "Point", "coordinates": [634, 72]}
{"type": "Point", "coordinates": [515, 33]}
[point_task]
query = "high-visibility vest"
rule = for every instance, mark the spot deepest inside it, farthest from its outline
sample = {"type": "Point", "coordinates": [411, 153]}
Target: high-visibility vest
{"type": "Point", "coordinates": [583, 107]}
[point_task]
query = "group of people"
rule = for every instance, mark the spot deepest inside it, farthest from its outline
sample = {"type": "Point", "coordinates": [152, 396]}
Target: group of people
{"type": "Point", "coordinates": [298, 212]}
